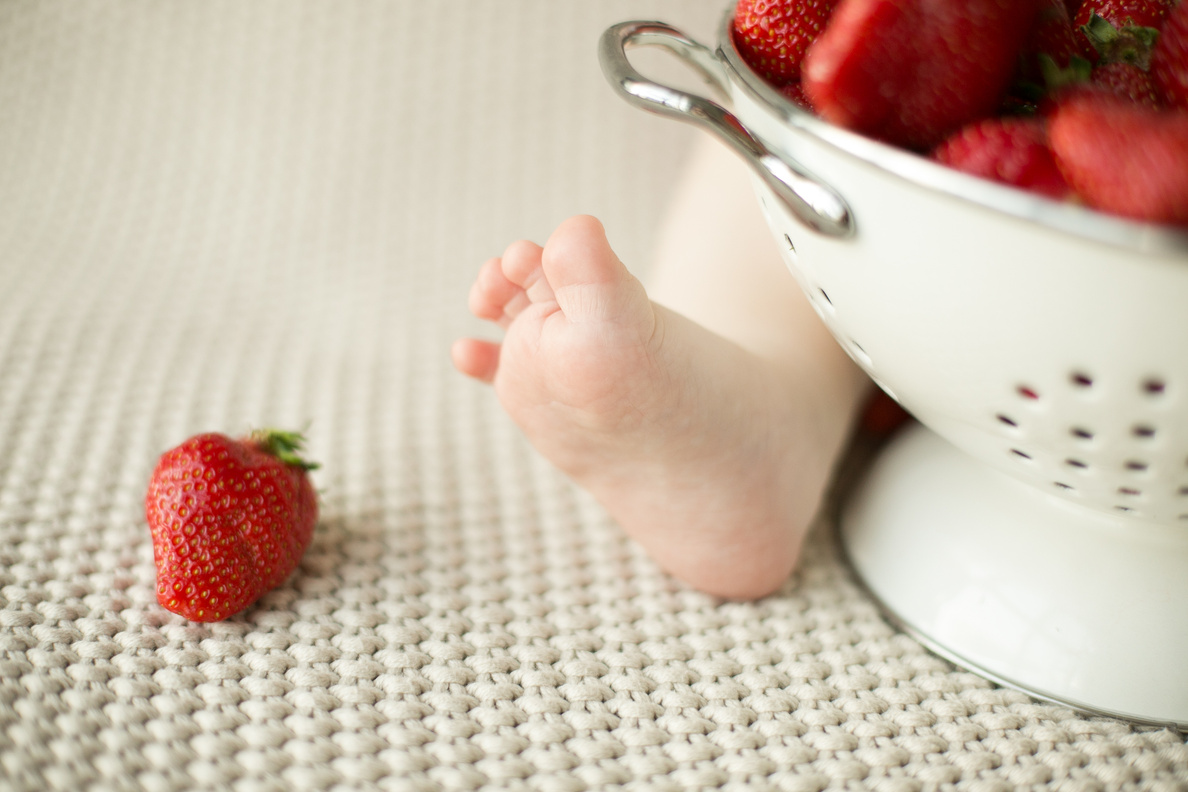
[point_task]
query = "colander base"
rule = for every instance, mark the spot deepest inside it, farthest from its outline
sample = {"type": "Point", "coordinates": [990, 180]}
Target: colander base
{"type": "Point", "coordinates": [1067, 604]}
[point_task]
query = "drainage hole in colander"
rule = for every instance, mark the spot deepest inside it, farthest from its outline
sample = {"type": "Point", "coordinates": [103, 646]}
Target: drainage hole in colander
{"type": "Point", "coordinates": [1154, 386]}
{"type": "Point", "coordinates": [860, 353]}
{"type": "Point", "coordinates": [1136, 466]}
{"type": "Point", "coordinates": [1063, 486]}
{"type": "Point", "coordinates": [792, 254]}
{"type": "Point", "coordinates": [1076, 463]}
{"type": "Point", "coordinates": [1081, 433]}
{"type": "Point", "coordinates": [1124, 508]}
{"type": "Point", "coordinates": [1006, 419]}
{"type": "Point", "coordinates": [1028, 392]}
{"type": "Point", "coordinates": [1143, 431]}
{"type": "Point", "coordinates": [825, 296]}
{"type": "Point", "coordinates": [1081, 379]}
{"type": "Point", "coordinates": [1131, 491]}
{"type": "Point", "coordinates": [1020, 454]}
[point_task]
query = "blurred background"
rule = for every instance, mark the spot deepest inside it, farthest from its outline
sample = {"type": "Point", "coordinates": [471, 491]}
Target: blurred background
{"type": "Point", "coordinates": [228, 214]}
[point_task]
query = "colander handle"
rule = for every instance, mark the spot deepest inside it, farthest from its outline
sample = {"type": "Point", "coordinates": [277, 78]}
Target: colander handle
{"type": "Point", "coordinates": [813, 203]}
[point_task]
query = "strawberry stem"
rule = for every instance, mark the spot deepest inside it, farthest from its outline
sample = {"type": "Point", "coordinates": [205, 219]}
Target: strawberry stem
{"type": "Point", "coordinates": [1078, 71]}
{"type": "Point", "coordinates": [285, 446]}
{"type": "Point", "coordinates": [1128, 44]}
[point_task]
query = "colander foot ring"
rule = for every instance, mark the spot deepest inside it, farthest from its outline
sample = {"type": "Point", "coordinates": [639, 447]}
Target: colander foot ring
{"type": "Point", "coordinates": [1069, 605]}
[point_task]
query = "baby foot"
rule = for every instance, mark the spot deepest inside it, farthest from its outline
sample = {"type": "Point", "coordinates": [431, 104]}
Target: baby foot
{"type": "Point", "coordinates": [714, 459]}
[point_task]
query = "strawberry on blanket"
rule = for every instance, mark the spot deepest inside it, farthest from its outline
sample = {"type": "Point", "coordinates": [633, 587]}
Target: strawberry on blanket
{"type": "Point", "coordinates": [230, 520]}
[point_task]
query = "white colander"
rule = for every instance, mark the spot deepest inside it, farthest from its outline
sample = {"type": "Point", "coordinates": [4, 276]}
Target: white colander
{"type": "Point", "coordinates": [1040, 340]}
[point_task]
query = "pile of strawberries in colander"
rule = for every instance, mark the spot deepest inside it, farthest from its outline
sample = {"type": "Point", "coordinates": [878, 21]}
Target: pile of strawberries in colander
{"type": "Point", "coordinates": [1078, 100]}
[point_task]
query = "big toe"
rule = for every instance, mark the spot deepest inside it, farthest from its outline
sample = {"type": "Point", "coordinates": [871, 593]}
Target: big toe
{"type": "Point", "coordinates": [584, 271]}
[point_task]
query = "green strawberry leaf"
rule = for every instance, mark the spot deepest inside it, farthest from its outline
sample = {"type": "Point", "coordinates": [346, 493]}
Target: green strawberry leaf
{"type": "Point", "coordinates": [1078, 71]}
{"type": "Point", "coordinates": [1130, 43]}
{"type": "Point", "coordinates": [285, 446]}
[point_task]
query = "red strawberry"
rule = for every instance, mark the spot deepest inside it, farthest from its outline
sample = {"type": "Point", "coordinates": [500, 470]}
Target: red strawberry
{"type": "Point", "coordinates": [1051, 35]}
{"type": "Point", "coordinates": [882, 415]}
{"type": "Point", "coordinates": [1169, 61]}
{"type": "Point", "coordinates": [230, 520]}
{"type": "Point", "coordinates": [772, 35]}
{"type": "Point", "coordinates": [1120, 30]}
{"type": "Point", "coordinates": [1129, 81]}
{"type": "Point", "coordinates": [794, 93]}
{"type": "Point", "coordinates": [1008, 150]}
{"type": "Point", "coordinates": [910, 72]}
{"type": "Point", "coordinates": [1122, 157]}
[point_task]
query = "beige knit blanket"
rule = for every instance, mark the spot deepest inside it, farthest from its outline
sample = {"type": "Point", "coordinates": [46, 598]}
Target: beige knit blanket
{"type": "Point", "coordinates": [228, 214]}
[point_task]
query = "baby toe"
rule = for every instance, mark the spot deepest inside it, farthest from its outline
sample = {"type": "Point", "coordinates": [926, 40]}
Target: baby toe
{"type": "Point", "coordinates": [492, 292]}
{"type": "Point", "coordinates": [476, 358]}
{"type": "Point", "coordinates": [522, 266]}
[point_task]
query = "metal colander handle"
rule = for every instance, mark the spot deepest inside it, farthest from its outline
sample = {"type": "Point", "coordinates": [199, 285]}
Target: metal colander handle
{"type": "Point", "coordinates": [815, 204]}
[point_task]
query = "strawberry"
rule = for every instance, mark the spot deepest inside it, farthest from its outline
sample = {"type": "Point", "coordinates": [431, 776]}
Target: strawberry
{"type": "Point", "coordinates": [1050, 52]}
{"type": "Point", "coordinates": [882, 415]}
{"type": "Point", "coordinates": [910, 72]}
{"type": "Point", "coordinates": [1120, 30]}
{"type": "Point", "coordinates": [1008, 150]}
{"type": "Point", "coordinates": [1129, 81]}
{"type": "Point", "coordinates": [230, 520]}
{"type": "Point", "coordinates": [1051, 35]}
{"type": "Point", "coordinates": [1123, 78]}
{"type": "Point", "coordinates": [772, 35]}
{"type": "Point", "coordinates": [794, 93]}
{"type": "Point", "coordinates": [1122, 157]}
{"type": "Point", "coordinates": [1169, 60]}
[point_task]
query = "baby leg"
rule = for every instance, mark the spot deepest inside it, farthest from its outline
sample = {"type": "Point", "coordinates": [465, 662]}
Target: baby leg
{"type": "Point", "coordinates": [710, 434]}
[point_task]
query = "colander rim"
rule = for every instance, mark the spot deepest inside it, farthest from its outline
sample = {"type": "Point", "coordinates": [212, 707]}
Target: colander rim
{"type": "Point", "coordinates": [1061, 216]}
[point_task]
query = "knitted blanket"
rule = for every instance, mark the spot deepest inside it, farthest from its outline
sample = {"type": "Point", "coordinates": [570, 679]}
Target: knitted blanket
{"type": "Point", "coordinates": [223, 215]}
